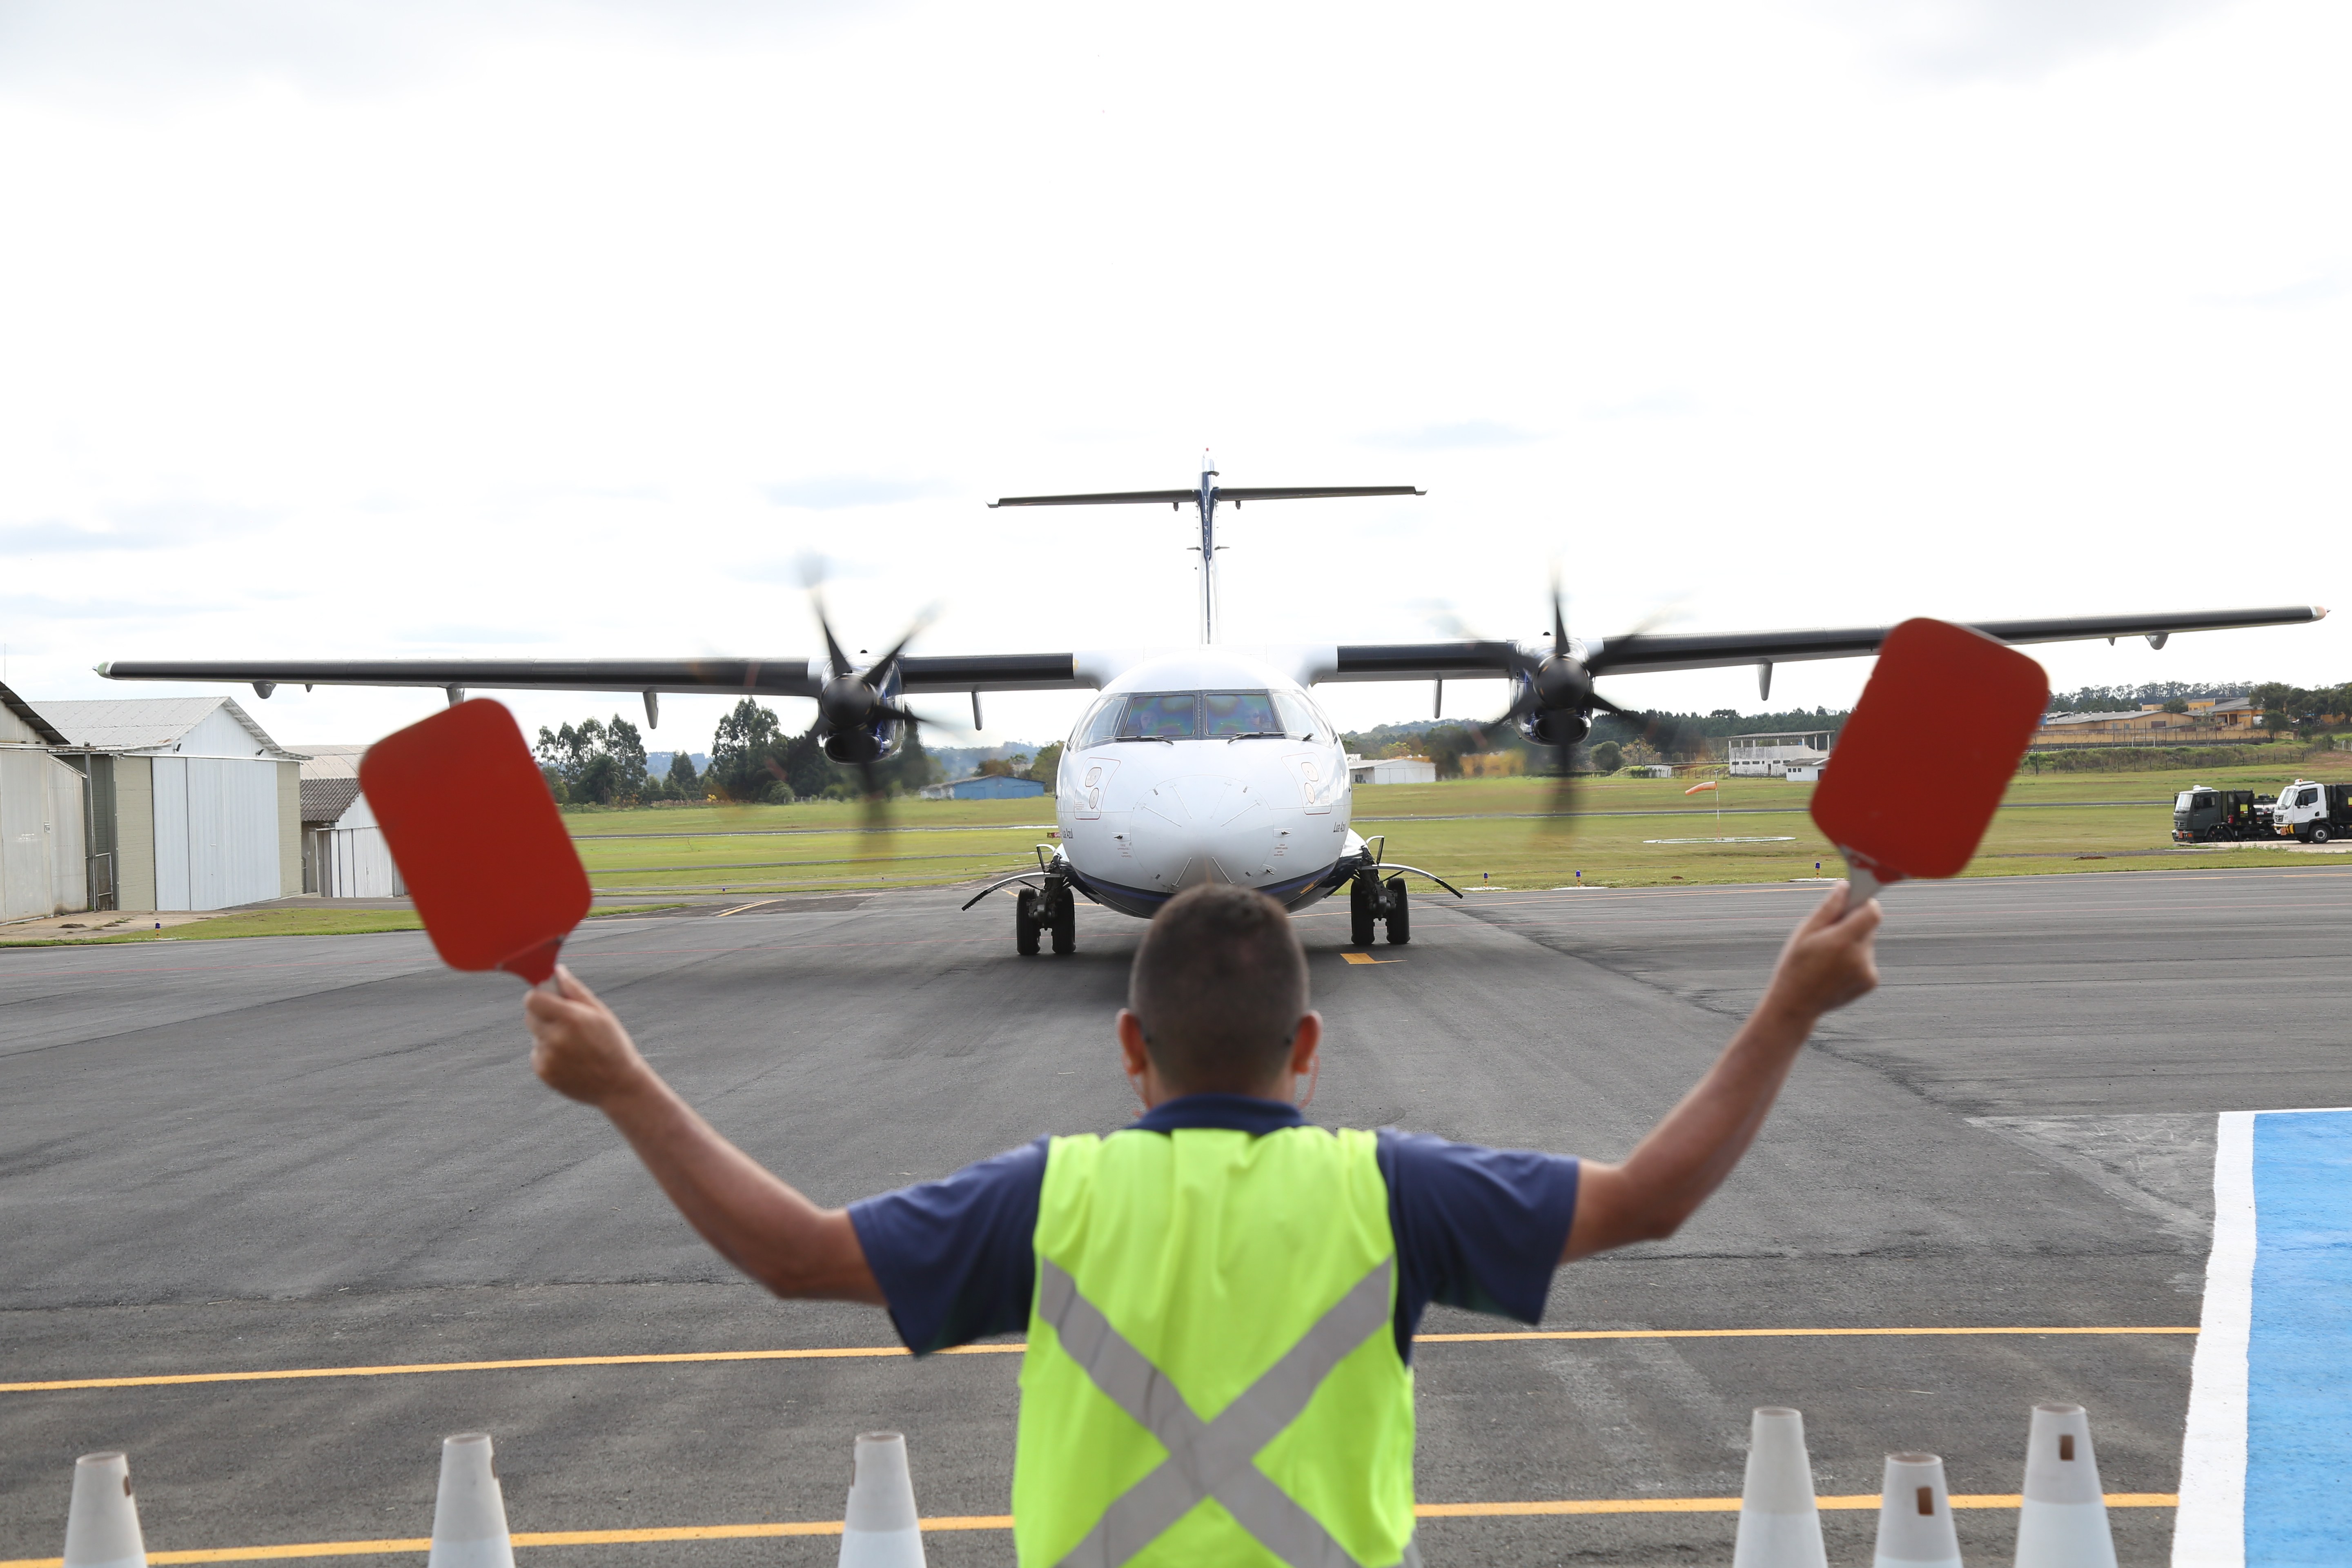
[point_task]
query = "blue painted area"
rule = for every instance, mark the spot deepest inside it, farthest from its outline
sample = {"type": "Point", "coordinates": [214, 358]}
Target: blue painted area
{"type": "Point", "coordinates": [2299, 1346]}
{"type": "Point", "coordinates": [992, 786]}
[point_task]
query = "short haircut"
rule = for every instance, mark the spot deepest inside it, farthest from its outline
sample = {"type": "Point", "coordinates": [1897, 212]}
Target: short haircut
{"type": "Point", "coordinates": [1218, 985]}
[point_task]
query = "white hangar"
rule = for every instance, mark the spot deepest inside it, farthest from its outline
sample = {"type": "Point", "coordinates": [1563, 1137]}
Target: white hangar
{"type": "Point", "coordinates": [191, 805]}
{"type": "Point", "coordinates": [43, 857]}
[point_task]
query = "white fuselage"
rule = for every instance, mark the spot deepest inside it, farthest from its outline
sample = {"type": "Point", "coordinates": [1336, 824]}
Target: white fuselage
{"type": "Point", "coordinates": [1206, 765]}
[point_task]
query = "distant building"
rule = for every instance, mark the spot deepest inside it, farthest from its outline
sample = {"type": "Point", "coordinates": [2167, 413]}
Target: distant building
{"type": "Point", "coordinates": [344, 853]}
{"type": "Point", "coordinates": [2208, 722]}
{"type": "Point", "coordinates": [43, 853]}
{"type": "Point", "coordinates": [189, 804]}
{"type": "Point", "coordinates": [1391, 770]}
{"type": "Point", "coordinates": [1778, 753]}
{"type": "Point", "coordinates": [985, 786]}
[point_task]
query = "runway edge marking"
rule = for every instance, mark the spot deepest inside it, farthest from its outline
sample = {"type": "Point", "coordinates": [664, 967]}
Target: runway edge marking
{"type": "Point", "coordinates": [1004, 1522]}
{"type": "Point", "coordinates": [175, 1379]}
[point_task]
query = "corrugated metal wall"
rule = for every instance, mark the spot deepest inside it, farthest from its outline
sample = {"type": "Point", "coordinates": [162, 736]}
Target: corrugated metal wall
{"type": "Point", "coordinates": [216, 832]}
{"type": "Point", "coordinates": [41, 870]}
{"type": "Point", "coordinates": [134, 830]}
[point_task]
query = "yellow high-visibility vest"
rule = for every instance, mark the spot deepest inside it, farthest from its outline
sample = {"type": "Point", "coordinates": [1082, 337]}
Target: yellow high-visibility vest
{"type": "Point", "coordinates": [1212, 1375]}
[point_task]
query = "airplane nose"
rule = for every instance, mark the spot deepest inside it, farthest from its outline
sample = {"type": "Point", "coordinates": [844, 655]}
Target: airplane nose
{"type": "Point", "coordinates": [1199, 828]}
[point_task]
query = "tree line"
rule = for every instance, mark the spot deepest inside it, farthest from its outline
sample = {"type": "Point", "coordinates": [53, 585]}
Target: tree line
{"type": "Point", "coordinates": [752, 758]}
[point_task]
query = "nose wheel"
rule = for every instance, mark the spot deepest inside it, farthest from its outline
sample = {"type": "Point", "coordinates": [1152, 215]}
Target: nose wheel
{"type": "Point", "coordinates": [1372, 902]}
{"type": "Point", "coordinates": [1040, 912]}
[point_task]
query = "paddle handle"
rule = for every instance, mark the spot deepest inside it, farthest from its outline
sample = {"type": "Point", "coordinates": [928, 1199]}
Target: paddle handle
{"type": "Point", "coordinates": [1861, 886]}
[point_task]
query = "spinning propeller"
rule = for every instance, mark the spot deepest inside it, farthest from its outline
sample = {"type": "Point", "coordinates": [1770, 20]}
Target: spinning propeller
{"type": "Point", "coordinates": [1554, 699]}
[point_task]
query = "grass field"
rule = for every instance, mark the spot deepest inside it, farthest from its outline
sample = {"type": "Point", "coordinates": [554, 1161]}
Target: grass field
{"type": "Point", "coordinates": [1468, 831]}
{"type": "Point", "coordinates": [281, 923]}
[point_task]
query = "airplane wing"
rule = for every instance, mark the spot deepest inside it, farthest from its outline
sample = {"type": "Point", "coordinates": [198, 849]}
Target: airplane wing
{"type": "Point", "coordinates": [797, 677]}
{"type": "Point", "coordinates": [1645, 653]}
{"type": "Point", "coordinates": [1237, 496]}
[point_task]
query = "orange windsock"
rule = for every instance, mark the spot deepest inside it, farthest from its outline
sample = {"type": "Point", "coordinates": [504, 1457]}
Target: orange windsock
{"type": "Point", "coordinates": [1697, 787]}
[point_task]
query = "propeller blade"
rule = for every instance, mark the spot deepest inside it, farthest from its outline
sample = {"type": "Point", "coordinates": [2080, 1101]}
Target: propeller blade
{"type": "Point", "coordinates": [1559, 619]}
{"type": "Point", "coordinates": [833, 656]}
{"type": "Point", "coordinates": [882, 667]}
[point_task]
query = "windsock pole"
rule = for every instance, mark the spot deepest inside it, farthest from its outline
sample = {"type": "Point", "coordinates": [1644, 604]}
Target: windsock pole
{"type": "Point", "coordinates": [881, 1529]}
{"type": "Point", "coordinates": [103, 1519]}
{"type": "Point", "coordinates": [1780, 1525]}
{"type": "Point", "coordinates": [1915, 1515]}
{"type": "Point", "coordinates": [469, 1510]}
{"type": "Point", "coordinates": [2064, 1523]}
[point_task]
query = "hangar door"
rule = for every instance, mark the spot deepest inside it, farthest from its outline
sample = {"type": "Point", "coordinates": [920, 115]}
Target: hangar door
{"type": "Point", "coordinates": [40, 835]}
{"type": "Point", "coordinates": [216, 832]}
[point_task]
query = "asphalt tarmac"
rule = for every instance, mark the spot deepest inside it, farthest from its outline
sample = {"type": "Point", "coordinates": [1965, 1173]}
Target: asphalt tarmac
{"type": "Point", "coordinates": [269, 1156]}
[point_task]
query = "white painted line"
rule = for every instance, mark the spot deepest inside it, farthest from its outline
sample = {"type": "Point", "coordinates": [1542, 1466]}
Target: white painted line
{"type": "Point", "coordinates": [2210, 1530]}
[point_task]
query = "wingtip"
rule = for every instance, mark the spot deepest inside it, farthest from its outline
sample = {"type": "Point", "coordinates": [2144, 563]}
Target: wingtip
{"type": "Point", "coordinates": [2318, 612]}
{"type": "Point", "coordinates": [106, 671]}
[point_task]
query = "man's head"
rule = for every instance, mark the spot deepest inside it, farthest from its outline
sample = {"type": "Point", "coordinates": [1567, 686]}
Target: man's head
{"type": "Point", "coordinates": [1218, 991]}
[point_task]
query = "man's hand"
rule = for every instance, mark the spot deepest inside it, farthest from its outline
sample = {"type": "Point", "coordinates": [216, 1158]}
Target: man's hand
{"type": "Point", "coordinates": [1828, 961]}
{"type": "Point", "coordinates": [578, 1047]}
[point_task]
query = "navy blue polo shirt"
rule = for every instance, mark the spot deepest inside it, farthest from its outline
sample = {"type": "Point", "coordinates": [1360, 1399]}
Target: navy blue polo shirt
{"type": "Point", "coordinates": [1475, 1227]}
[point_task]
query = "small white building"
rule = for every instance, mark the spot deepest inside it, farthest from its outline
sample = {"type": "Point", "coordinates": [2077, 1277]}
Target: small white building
{"type": "Point", "coordinates": [1391, 769]}
{"type": "Point", "coordinates": [192, 803]}
{"type": "Point", "coordinates": [1776, 753]}
{"type": "Point", "coordinates": [44, 859]}
{"type": "Point", "coordinates": [344, 853]}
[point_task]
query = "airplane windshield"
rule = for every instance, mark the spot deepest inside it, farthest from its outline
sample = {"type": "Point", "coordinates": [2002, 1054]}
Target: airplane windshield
{"type": "Point", "coordinates": [1231, 715]}
{"type": "Point", "coordinates": [1159, 716]}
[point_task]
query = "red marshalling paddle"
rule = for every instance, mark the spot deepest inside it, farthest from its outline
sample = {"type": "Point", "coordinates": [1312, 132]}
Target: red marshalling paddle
{"type": "Point", "coordinates": [477, 839]}
{"type": "Point", "coordinates": [1920, 767]}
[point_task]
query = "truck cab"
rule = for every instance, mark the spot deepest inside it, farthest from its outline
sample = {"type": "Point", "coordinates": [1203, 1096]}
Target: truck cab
{"type": "Point", "coordinates": [2201, 813]}
{"type": "Point", "coordinates": [2312, 812]}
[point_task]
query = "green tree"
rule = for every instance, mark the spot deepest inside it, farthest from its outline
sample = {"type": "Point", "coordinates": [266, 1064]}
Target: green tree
{"type": "Point", "coordinates": [807, 771]}
{"type": "Point", "coordinates": [683, 783]}
{"type": "Point", "coordinates": [2178, 705]}
{"type": "Point", "coordinates": [741, 750]}
{"type": "Point", "coordinates": [1608, 757]}
{"type": "Point", "coordinates": [596, 762]}
{"type": "Point", "coordinates": [1048, 765]}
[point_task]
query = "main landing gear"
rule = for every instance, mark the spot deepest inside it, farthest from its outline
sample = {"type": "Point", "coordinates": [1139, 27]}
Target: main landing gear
{"type": "Point", "coordinates": [1372, 901]}
{"type": "Point", "coordinates": [1052, 908]}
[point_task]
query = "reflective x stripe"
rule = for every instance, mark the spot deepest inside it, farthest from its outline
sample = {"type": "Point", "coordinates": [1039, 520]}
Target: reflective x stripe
{"type": "Point", "coordinates": [1211, 1459]}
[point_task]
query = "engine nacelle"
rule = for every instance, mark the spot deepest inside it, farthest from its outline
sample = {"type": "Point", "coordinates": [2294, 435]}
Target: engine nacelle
{"type": "Point", "coordinates": [1557, 728]}
{"type": "Point", "coordinates": [869, 744]}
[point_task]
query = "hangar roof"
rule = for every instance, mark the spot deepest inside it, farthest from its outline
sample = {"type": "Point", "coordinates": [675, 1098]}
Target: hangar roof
{"type": "Point", "coordinates": [43, 730]}
{"type": "Point", "coordinates": [326, 800]}
{"type": "Point", "coordinates": [146, 724]}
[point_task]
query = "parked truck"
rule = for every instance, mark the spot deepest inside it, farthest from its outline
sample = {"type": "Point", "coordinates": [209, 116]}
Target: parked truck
{"type": "Point", "coordinates": [2315, 813]}
{"type": "Point", "coordinates": [2204, 815]}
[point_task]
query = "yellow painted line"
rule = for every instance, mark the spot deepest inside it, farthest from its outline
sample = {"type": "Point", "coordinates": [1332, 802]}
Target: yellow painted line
{"type": "Point", "coordinates": [1367, 958]}
{"type": "Point", "coordinates": [740, 908]}
{"type": "Point", "coordinates": [1760, 1333]}
{"type": "Point", "coordinates": [167, 1380]}
{"type": "Point", "coordinates": [1004, 1522]}
{"type": "Point", "coordinates": [163, 1379]}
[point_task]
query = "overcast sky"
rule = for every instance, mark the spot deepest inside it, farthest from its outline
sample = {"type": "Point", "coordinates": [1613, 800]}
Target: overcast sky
{"type": "Point", "coordinates": [359, 330]}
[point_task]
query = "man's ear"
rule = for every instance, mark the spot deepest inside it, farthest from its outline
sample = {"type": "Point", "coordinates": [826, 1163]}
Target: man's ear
{"type": "Point", "coordinates": [1305, 1043]}
{"type": "Point", "coordinates": [1130, 1043]}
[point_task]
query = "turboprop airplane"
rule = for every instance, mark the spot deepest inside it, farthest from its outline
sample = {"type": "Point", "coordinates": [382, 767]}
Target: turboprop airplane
{"type": "Point", "coordinates": [1209, 765]}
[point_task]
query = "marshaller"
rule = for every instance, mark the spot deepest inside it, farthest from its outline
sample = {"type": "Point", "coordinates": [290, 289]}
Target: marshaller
{"type": "Point", "coordinates": [103, 1519]}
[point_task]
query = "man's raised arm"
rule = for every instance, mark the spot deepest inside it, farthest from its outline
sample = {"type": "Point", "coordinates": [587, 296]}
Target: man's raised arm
{"type": "Point", "coordinates": [757, 1223]}
{"type": "Point", "coordinates": [1827, 964]}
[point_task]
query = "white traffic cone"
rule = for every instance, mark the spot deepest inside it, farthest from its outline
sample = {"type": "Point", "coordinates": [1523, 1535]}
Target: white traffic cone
{"type": "Point", "coordinates": [469, 1512]}
{"type": "Point", "coordinates": [1779, 1527]}
{"type": "Point", "coordinates": [103, 1519]}
{"type": "Point", "coordinates": [1915, 1515]}
{"type": "Point", "coordinates": [882, 1529]}
{"type": "Point", "coordinates": [2064, 1523]}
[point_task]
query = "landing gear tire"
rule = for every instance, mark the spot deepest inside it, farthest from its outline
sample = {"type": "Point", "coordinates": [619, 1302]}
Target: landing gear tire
{"type": "Point", "coordinates": [1359, 912]}
{"type": "Point", "coordinates": [2319, 833]}
{"type": "Point", "coordinates": [1025, 924]}
{"type": "Point", "coordinates": [1400, 914]}
{"type": "Point", "coordinates": [1066, 922]}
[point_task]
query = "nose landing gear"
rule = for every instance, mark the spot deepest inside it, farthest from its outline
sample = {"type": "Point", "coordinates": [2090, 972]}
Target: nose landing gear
{"type": "Point", "coordinates": [1050, 908]}
{"type": "Point", "coordinates": [1372, 901]}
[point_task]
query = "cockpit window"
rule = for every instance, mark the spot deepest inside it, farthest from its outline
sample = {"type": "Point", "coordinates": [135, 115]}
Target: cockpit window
{"type": "Point", "coordinates": [1159, 716]}
{"type": "Point", "coordinates": [1230, 715]}
{"type": "Point", "coordinates": [1102, 723]}
{"type": "Point", "coordinates": [1298, 716]}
